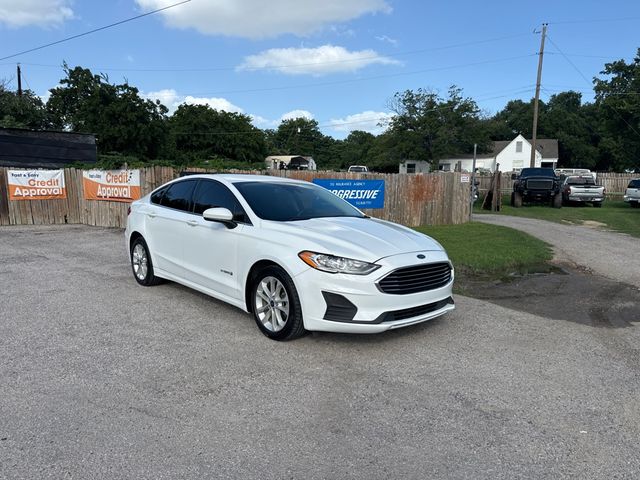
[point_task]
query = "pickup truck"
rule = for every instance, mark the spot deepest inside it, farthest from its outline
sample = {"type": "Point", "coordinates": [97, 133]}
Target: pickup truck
{"type": "Point", "coordinates": [579, 188]}
{"type": "Point", "coordinates": [632, 195]}
{"type": "Point", "coordinates": [536, 185]}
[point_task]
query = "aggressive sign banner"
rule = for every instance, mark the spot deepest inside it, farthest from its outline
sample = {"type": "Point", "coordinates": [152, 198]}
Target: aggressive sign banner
{"type": "Point", "coordinates": [36, 184]}
{"type": "Point", "coordinates": [359, 193]}
{"type": "Point", "coordinates": [111, 185]}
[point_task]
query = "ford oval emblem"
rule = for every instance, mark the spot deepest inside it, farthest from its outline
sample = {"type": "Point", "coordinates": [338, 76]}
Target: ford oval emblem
{"type": "Point", "coordinates": [421, 256]}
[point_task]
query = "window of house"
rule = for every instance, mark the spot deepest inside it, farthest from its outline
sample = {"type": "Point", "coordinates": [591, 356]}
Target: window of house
{"type": "Point", "coordinates": [518, 147]}
{"type": "Point", "coordinates": [411, 168]}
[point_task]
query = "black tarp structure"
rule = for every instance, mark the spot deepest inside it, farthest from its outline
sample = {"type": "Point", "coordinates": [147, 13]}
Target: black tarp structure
{"type": "Point", "coordinates": [22, 148]}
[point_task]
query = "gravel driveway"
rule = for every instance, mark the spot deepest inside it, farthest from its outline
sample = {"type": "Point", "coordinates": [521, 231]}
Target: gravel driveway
{"type": "Point", "coordinates": [102, 378]}
{"type": "Point", "coordinates": [613, 255]}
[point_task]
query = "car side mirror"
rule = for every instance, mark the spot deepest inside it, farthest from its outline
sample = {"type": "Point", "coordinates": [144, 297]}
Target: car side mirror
{"type": "Point", "coordinates": [220, 215]}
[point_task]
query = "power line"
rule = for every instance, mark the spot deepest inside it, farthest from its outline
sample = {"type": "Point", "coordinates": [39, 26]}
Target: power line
{"type": "Point", "coordinates": [330, 124]}
{"type": "Point", "coordinates": [94, 30]}
{"type": "Point", "coordinates": [275, 67]}
{"type": "Point", "coordinates": [598, 20]}
{"type": "Point", "coordinates": [359, 79]}
{"type": "Point", "coordinates": [587, 80]}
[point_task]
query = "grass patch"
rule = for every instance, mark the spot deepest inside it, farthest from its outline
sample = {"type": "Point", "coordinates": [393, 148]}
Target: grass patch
{"type": "Point", "coordinates": [615, 215]}
{"type": "Point", "coordinates": [481, 250]}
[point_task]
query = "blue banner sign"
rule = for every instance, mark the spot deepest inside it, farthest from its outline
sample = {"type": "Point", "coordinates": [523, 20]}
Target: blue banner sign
{"type": "Point", "coordinates": [359, 193]}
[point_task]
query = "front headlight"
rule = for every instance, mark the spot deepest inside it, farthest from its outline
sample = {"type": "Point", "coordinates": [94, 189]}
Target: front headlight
{"type": "Point", "coordinates": [333, 264]}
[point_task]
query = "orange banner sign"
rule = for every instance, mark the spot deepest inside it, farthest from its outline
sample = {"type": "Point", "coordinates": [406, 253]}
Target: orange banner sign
{"type": "Point", "coordinates": [36, 184]}
{"type": "Point", "coordinates": [111, 185]}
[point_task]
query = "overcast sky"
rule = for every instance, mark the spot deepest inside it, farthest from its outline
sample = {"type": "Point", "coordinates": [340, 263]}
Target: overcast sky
{"type": "Point", "coordinates": [337, 61]}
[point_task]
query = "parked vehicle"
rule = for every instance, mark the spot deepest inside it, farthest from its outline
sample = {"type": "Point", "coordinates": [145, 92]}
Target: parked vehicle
{"type": "Point", "coordinates": [291, 253]}
{"type": "Point", "coordinates": [539, 185]}
{"type": "Point", "coordinates": [632, 194]}
{"type": "Point", "coordinates": [358, 169]}
{"type": "Point", "coordinates": [578, 188]}
{"type": "Point", "coordinates": [583, 172]}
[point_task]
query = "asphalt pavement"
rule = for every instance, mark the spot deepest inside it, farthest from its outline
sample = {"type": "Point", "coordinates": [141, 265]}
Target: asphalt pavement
{"type": "Point", "coordinates": [102, 378]}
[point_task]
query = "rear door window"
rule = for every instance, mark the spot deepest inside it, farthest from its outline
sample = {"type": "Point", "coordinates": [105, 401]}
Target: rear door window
{"type": "Point", "coordinates": [178, 195]}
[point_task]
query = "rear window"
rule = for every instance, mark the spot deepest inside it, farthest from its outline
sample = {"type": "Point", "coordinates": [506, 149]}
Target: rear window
{"type": "Point", "coordinates": [581, 181]}
{"type": "Point", "coordinates": [634, 183]}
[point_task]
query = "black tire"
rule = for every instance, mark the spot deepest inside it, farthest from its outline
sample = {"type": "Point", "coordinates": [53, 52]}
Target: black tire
{"type": "Point", "coordinates": [634, 204]}
{"type": "Point", "coordinates": [517, 199]}
{"type": "Point", "coordinates": [293, 326]}
{"type": "Point", "coordinates": [141, 264]}
{"type": "Point", "coordinates": [557, 201]}
{"type": "Point", "coordinates": [597, 204]}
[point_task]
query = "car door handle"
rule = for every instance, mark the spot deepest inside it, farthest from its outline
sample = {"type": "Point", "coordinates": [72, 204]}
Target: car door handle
{"type": "Point", "coordinates": [152, 215]}
{"type": "Point", "coordinates": [192, 223]}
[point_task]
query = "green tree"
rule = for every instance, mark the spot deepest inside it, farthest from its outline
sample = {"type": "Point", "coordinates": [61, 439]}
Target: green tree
{"type": "Point", "coordinates": [619, 107]}
{"type": "Point", "coordinates": [26, 111]}
{"type": "Point", "coordinates": [428, 127]}
{"type": "Point", "coordinates": [200, 132]}
{"type": "Point", "coordinates": [122, 120]}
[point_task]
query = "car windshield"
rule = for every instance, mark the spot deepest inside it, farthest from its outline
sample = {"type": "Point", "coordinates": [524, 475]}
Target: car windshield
{"type": "Point", "coordinates": [286, 202]}
{"type": "Point", "coordinates": [634, 184]}
{"type": "Point", "coordinates": [537, 172]}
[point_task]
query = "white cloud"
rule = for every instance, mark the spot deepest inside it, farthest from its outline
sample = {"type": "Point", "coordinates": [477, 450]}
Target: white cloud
{"type": "Point", "coordinates": [293, 114]}
{"type": "Point", "coordinates": [172, 100]}
{"type": "Point", "coordinates": [261, 19]}
{"type": "Point", "coordinates": [42, 13]}
{"type": "Point", "coordinates": [369, 121]}
{"type": "Point", "coordinates": [387, 39]}
{"type": "Point", "coordinates": [314, 61]}
{"type": "Point", "coordinates": [216, 103]}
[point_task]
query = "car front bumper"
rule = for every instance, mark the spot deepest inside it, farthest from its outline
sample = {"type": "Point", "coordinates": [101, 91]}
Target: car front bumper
{"type": "Point", "coordinates": [354, 304]}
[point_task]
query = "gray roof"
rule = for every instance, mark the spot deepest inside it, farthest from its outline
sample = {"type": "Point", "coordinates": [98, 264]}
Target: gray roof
{"type": "Point", "coordinates": [548, 147]}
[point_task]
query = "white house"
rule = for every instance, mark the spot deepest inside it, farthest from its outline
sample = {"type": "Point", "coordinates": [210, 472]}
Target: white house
{"type": "Point", "coordinates": [414, 166]}
{"type": "Point", "coordinates": [292, 162]}
{"type": "Point", "coordinates": [513, 156]}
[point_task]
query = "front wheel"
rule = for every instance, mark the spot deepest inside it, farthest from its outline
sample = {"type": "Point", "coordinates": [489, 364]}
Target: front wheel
{"type": "Point", "coordinates": [597, 204]}
{"type": "Point", "coordinates": [141, 264]}
{"type": "Point", "coordinates": [557, 201]}
{"type": "Point", "coordinates": [276, 305]}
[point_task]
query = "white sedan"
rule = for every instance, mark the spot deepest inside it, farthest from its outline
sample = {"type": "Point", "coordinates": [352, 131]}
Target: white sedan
{"type": "Point", "coordinates": [289, 252]}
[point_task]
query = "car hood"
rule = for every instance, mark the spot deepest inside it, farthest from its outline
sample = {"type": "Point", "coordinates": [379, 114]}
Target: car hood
{"type": "Point", "coordinates": [361, 238]}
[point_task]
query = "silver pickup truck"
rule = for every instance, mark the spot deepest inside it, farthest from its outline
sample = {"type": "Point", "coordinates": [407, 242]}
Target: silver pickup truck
{"type": "Point", "coordinates": [580, 188]}
{"type": "Point", "coordinates": [632, 195]}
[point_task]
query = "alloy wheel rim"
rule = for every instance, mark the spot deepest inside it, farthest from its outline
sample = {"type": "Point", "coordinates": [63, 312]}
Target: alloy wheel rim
{"type": "Point", "coordinates": [139, 261]}
{"type": "Point", "coordinates": [272, 304]}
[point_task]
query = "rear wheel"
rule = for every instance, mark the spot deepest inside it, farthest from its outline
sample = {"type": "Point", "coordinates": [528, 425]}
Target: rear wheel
{"type": "Point", "coordinates": [141, 264]}
{"type": "Point", "coordinates": [517, 199]}
{"type": "Point", "coordinates": [557, 201]}
{"type": "Point", "coordinates": [276, 305]}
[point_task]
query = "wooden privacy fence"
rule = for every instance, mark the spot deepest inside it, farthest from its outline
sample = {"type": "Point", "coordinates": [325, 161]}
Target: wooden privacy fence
{"type": "Point", "coordinates": [420, 199]}
{"type": "Point", "coordinates": [615, 184]}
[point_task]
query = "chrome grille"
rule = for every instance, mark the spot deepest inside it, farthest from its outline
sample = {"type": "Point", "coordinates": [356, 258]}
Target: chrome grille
{"type": "Point", "coordinates": [417, 278]}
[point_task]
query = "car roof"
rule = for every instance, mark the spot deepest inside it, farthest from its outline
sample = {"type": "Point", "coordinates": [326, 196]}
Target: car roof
{"type": "Point", "coordinates": [243, 177]}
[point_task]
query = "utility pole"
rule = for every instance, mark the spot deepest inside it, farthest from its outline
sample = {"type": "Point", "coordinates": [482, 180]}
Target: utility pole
{"type": "Point", "coordinates": [473, 179]}
{"type": "Point", "coordinates": [532, 163]}
{"type": "Point", "coordinates": [19, 81]}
